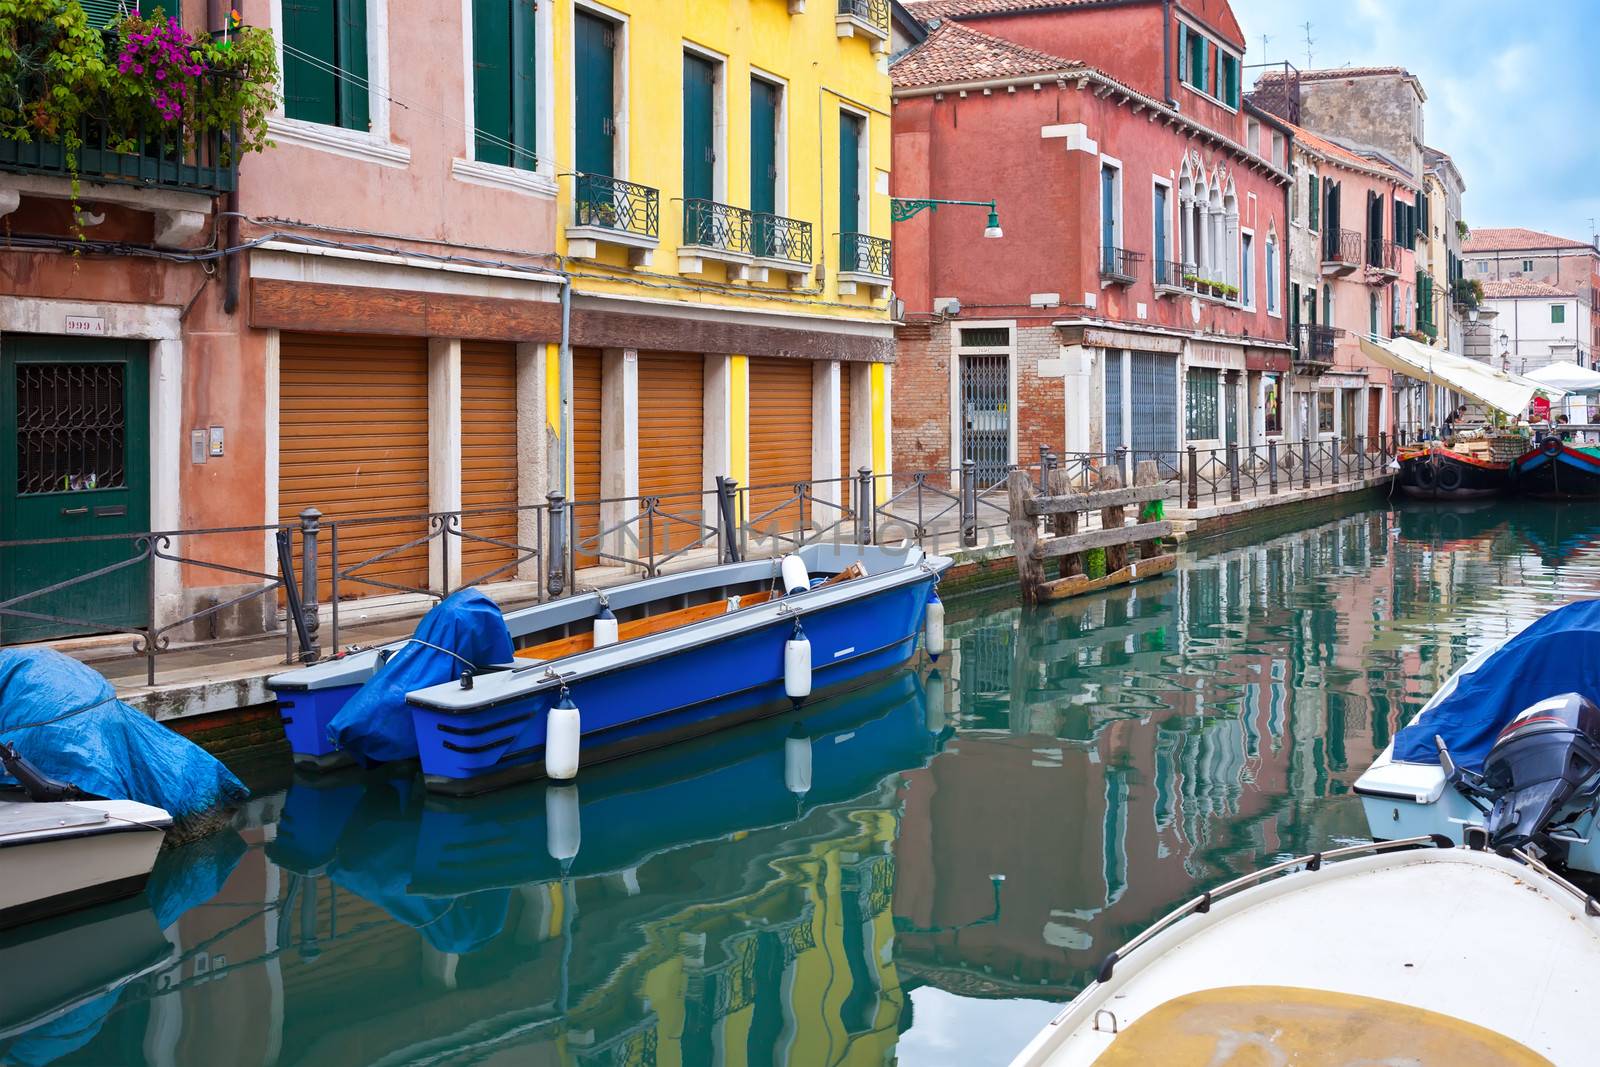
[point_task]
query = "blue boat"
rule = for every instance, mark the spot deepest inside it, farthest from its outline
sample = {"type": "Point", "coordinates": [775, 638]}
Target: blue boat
{"type": "Point", "coordinates": [691, 653]}
{"type": "Point", "coordinates": [1559, 471]}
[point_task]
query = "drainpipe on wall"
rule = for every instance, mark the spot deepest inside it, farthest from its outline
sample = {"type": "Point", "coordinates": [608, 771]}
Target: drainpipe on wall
{"type": "Point", "coordinates": [216, 13]}
{"type": "Point", "coordinates": [1166, 52]}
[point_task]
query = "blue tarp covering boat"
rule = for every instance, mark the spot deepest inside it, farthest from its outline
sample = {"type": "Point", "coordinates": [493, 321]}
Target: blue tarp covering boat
{"type": "Point", "coordinates": [65, 718]}
{"type": "Point", "coordinates": [463, 632]}
{"type": "Point", "coordinates": [1558, 654]}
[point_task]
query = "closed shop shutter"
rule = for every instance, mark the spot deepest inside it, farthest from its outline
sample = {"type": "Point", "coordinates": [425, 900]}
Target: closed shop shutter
{"type": "Point", "coordinates": [353, 441]}
{"type": "Point", "coordinates": [671, 432]}
{"type": "Point", "coordinates": [1154, 392]}
{"type": "Point", "coordinates": [586, 450]}
{"type": "Point", "coordinates": [488, 460]}
{"type": "Point", "coordinates": [780, 440]}
{"type": "Point", "coordinates": [847, 469]}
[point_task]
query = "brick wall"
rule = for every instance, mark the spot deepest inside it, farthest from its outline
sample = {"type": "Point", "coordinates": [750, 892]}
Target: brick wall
{"type": "Point", "coordinates": [922, 395]}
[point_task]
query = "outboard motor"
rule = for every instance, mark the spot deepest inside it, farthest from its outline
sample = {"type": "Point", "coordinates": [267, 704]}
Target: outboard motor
{"type": "Point", "coordinates": [35, 785]}
{"type": "Point", "coordinates": [1545, 758]}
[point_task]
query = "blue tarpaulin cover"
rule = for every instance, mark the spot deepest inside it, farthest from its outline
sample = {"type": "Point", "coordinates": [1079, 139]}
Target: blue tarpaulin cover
{"type": "Point", "coordinates": [465, 630]}
{"type": "Point", "coordinates": [65, 719]}
{"type": "Point", "coordinates": [1558, 654]}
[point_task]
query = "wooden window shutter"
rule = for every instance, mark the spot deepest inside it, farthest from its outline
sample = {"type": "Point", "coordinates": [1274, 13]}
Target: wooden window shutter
{"type": "Point", "coordinates": [310, 86]}
{"type": "Point", "coordinates": [355, 106]}
{"type": "Point", "coordinates": [1316, 201]}
{"type": "Point", "coordinates": [491, 80]}
{"type": "Point", "coordinates": [524, 82]}
{"type": "Point", "coordinates": [101, 13]}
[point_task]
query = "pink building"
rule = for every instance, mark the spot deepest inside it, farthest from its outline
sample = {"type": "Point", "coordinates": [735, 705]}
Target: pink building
{"type": "Point", "coordinates": [1138, 298]}
{"type": "Point", "coordinates": [390, 298]}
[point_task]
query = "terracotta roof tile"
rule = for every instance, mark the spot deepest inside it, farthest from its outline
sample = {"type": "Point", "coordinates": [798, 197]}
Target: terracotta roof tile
{"type": "Point", "coordinates": [954, 53]}
{"type": "Point", "coordinates": [1340, 154]}
{"type": "Point", "coordinates": [1335, 73]}
{"type": "Point", "coordinates": [1515, 239]}
{"type": "Point", "coordinates": [926, 10]}
{"type": "Point", "coordinates": [1520, 287]}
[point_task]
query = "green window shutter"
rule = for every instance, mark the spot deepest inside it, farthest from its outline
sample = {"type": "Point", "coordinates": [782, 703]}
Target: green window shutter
{"type": "Point", "coordinates": [594, 46]}
{"type": "Point", "coordinates": [310, 87]}
{"type": "Point", "coordinates": [102, 13]}
{"type": "Point", "coordinates": [491, 80]}
{"type": "Point", "coordinates": [763, 146]}
{"type": "Point", "coordinates": [525, 82]}
{"type": "Point", "coordinates": [1316, 202]}
{"type": "Point", "coordinates": [1558, 313]}
{"type": "Point", "coordinates": [355, 109]}
{"type": "Point", "coordinates": [1183, 52]}
{"type": "Point", "coordinates": [699, 163]}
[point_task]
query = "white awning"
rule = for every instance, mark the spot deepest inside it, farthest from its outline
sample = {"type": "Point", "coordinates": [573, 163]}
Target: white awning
{"type": "Point", "coordinates": [1501, 390]}
{"type": "Point", "coordinates": [1568, 376]}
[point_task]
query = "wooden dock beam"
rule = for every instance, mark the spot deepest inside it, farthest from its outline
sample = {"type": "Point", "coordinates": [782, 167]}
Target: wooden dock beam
{"type": "Point", "coordinates": [1069, 542]}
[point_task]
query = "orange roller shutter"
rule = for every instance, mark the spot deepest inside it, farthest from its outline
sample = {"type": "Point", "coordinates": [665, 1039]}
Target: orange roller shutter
{"type": "Point", "coordinates": [488, 461]}
{"type": "Point", "coordinates": [780, 440]}
{"type": "Point", "coordinates": [586, 450]}
{"type": "Point", "coordinates": [671, 443]}
{"type": "Point", "coordinates": [353, 442]}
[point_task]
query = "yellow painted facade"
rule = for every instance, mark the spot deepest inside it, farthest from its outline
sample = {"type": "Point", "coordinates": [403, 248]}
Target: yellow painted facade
{"type": "Point", "coordinates": [821, 74]}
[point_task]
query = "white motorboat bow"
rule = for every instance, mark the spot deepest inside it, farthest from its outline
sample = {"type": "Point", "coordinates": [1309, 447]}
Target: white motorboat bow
{"type": "Point", "coordinates": [59, 855]}
{"type": "Point", "coordinates": [1356, 955]}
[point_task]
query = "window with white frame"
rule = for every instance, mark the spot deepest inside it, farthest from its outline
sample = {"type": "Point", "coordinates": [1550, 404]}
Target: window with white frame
{"type": "Point", "coordinates": [1246, 276]}
{"type": "Point", "coordinates": [505, 83]}
{"type": "Point", "coordinates": [325, 63]}
{"type": "Point", "coordinates": [1270, 279]}
{"type": "Point", "coordinates": [1202, 394]}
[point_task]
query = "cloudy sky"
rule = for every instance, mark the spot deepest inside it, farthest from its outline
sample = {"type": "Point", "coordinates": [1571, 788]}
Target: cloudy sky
{"type": "Point", "coordinates": [1513, 90]}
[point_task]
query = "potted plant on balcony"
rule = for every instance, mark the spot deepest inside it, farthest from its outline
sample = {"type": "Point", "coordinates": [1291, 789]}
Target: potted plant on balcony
{"type": "Point", "coordinates": [1227, 291]}
{"type": "Point", "coordinates": [1191, 281]}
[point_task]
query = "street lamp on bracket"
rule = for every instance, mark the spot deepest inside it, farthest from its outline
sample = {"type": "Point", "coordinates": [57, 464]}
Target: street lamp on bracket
{"type": "Point", "coordinates": [902, 208]}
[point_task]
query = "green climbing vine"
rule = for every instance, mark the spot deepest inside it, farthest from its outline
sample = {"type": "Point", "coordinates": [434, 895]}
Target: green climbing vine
{"type": "Point", "coordinates": [143, 74]}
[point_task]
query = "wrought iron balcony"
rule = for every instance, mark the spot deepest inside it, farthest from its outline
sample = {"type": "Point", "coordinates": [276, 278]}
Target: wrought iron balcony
{"type": "Point", "coordinates": [1314, 346]}
{"type": "Point", "coordinates": [157, 156]}
{"type": "Point", "coordinates": [860, 253]}
{"type": "Point", "coordinates": [1383, 255]}
{"type": "Point", "coordinates": [708, 224]}
{"type": "Point", "coordinates": [1120, 265]}
{"type": "Point", "coordinates": [1341, 250]}
{"type": "Point", "coordinates": [777, 237]}
{"type": "Point", "coordinates": [612, 204]}
{"type": "Point", "coordinates": [874, 13]}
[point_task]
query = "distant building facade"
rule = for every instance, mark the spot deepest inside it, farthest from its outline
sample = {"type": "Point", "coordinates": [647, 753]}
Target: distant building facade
{"type": "Point", "coordinates": [1513, 254]}
{"type": "Point", "coordinates": [1138, 296]}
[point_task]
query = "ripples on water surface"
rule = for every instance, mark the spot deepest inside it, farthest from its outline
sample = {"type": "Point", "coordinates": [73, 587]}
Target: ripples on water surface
{"type": "Point", "coordinates": [968, 844]}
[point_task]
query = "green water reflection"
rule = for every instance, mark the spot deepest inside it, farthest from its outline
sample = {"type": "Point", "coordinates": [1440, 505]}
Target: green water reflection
{"type": "Point", "coordinates": [915, 874]}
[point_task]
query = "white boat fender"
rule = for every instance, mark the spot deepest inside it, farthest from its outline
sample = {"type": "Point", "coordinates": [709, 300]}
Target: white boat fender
{"type": "Point", "coordinates": [933, 626]}
{"type": "Point", "coordinates": [561, 733]}
{"type": "Point", "coordinates": [797, 762]}
{"type": "Point", "coordinates": [933, 698]}
{"type": "Point", "coordinates": [797, 665]}
{"type": "Point", "coordinates": [563, 823]}
{"type": "Point", "coordinates": [605, 627]}
{"type": "Point", "coordinates": [796, 577]}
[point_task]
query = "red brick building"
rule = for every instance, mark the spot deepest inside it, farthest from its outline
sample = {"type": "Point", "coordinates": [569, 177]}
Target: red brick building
{"type": "Point", "coordinates": [1137, 298]}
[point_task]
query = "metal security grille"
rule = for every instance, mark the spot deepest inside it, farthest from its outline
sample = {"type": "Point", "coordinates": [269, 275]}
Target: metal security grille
{"type": "Point", "coordinates": [71, 427]}
{"type": "Point", "coordinates": [1115, 438]}
{"type": "Point", "coordinates": [986, 415]}
{"type": "Point", "coordinates": [1155, 408]}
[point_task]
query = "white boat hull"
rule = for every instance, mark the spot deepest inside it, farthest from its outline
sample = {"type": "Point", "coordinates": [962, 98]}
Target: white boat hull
{"type": "Point", "coordinates": [48, 871]}
{"type": "Point", "coordinates": [1478, 938]}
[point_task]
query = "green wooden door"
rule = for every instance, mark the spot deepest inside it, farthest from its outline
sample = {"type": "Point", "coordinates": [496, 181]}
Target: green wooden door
{"type": "Point", "coordinates": [594, 63]}
{"type": "Point", "coordinates": [74, 462]}
{"type": "Point", "coordinates": [699, 158]}
{"type": "Point", "coordinates": [763, 162]}
{"type": "Point", "coordinates": [850, 252]}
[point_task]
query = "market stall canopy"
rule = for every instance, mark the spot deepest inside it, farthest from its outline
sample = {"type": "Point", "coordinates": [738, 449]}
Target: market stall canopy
{"type": "Point", "coordinates": [1501, 390]}
{"type": "Point", "coordinates": [1568, 376]}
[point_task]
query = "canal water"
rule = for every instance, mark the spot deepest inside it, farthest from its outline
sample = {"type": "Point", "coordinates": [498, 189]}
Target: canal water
{"type": "Point", "coordinates": [918, 874]}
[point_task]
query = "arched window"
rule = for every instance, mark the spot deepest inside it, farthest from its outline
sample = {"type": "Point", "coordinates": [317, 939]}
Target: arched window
{"type": "Point", "coordinates": [1373, 298]}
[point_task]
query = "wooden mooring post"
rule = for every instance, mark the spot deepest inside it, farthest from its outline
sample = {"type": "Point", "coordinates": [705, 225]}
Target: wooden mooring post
{"type": "Point", "coordinates": [1069, 541]}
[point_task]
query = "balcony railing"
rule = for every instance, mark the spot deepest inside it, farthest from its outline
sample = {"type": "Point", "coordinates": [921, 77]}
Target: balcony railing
{"type": "Point", "coordinates": [860, 253]}
{"type": "Point", "coordinates": [777, 237]}
{"type": "Point", "coordinates": [713, 225]}
{"type": "Point", "coordinates": [613, 204]}
{"type": "Point", "coordinates": [158, 156]}
{"type": "Point", "coordinates": [1383, 255]}
{"type": "Point", "coordinates": [872, 12]}
{"type": "Point", "coordinates": [1341, 246]}
{"type": "Point", "coordinates": [1315, 343]}
{"type": "Point", "coordinates": [1120, 265]}
{"type": "Point", "coordinates": [1167, 273]}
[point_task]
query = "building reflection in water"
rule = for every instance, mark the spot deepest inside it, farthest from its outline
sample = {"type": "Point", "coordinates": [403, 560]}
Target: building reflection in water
{"type": "Point", "coordinates": [774, 895]}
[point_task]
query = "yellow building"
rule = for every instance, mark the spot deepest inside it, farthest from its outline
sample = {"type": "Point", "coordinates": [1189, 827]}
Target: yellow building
{"type": "Point", "coordinates": [722, 175]}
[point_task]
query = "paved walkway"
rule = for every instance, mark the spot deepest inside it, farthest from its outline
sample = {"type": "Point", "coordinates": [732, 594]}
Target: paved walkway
{"type": "Point", "coordinates": [220, 676]}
